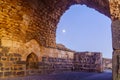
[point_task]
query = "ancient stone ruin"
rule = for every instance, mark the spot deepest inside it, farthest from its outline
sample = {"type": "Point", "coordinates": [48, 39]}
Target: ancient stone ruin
{"type": "Point", "coordinates": [107, 63]}
{"type": "Point", "coordinates": [88, 61]}
{"type": "Point", "coordinates": [28, 31]}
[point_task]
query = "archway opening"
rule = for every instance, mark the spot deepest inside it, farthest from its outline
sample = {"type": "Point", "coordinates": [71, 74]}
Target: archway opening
{"type": "Point", "coordinates": [83, 29]}
{"type": "Point", "coordinates": [32, 62]}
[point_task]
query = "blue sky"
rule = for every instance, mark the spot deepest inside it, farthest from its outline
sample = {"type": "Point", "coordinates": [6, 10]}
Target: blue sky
{"type": "Point", "coordinates": [85, 29]}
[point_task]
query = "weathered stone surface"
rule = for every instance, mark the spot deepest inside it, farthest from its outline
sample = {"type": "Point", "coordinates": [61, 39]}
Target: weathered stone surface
{"type": "Point", "coordinates": [116, 34]}
{"type": "Point", "coordinates": [88, 61]}
{"type": "Point", "coordinates": [35, 59]}
{"type": "Point", "coordinates": [115, 9]}
{"type": "Point", "coordinates": [107, 63]}
{"type": "Point", "coordinates": [24, 20]}
{"type": "Point", "coordinates": [115, 65]}
{"type": "Point", "coordinates": [28, 26]}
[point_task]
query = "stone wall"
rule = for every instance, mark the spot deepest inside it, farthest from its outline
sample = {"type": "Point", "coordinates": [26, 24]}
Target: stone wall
{"type": "Point", "coordinates": [11, 64]}
{"type": "Point", "coordinates": [88, 61]}
{"type": "Point", "coordinates": [107, 63]}
{"type": "Point", "coordinates": [116, 47]}
{"type": "Point", "coordinates": [56, 60]}
{"type": "Point", "coordinates": [22, 59]}
{"type": "Point", "coordinates": [54, 64]}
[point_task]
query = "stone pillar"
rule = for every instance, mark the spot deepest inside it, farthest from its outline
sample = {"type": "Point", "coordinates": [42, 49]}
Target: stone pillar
{"type": "Point", "coordinates": [116, 49]}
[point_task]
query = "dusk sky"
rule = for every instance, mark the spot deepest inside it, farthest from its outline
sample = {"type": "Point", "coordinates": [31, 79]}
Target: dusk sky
{"type": "Point", "coordinates": [85, 29]}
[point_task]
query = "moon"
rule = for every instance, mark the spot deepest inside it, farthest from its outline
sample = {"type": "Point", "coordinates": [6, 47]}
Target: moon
{"type": "Point", "coordinates": [63, 30]}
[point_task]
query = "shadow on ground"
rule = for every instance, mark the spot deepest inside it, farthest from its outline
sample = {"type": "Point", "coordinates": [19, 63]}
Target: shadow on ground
{"type": "Point", "coordinates": [107, 75]}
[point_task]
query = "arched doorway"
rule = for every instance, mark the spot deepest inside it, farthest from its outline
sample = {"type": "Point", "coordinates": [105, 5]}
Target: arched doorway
{"type": "Point", "coordinates": [31, 63]}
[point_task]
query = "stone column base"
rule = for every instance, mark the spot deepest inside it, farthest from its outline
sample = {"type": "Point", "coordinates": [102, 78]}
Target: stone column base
{"type": "Point", "coordinates": [116, 65]}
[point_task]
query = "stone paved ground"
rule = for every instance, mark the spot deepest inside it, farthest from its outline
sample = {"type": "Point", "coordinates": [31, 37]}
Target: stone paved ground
{"type": "Point", "coordinates": [69, 76]}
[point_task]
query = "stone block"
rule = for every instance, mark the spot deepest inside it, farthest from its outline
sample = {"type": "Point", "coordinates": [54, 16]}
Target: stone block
{"type": "Point", "coordinates": [116, 34]}
{"type": "Point", "coordinates": [1, 64]}
{"type": "Point", "coordinates": [7, 69]}
{"type": "Point", "coordinates": [4, 59]}
{"type": "Point", "coordinates": [20, 73]}
{"type": "Point", "coordinates": [1, 74]}
{"type": "Point", "coordinates": [116, 65]}
{"type": "Point", "coordinates": [7, 73]}
{"type": "Point", "coordinates": [12, 59]}
{"type": "Point", "coordinates": [20, 62]}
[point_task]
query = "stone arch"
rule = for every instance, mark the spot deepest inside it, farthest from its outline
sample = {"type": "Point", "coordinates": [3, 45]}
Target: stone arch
{"type": "Point", "coordinates": [101, 6]}
{"type": "Point", "coordinates": [38, 19]}
{"type": "Point", "coordinates": [32, 62]}
{"type": "Point", "coordinates": [63, 5]}
{"type": "Point", "coordinates": [30, 47]}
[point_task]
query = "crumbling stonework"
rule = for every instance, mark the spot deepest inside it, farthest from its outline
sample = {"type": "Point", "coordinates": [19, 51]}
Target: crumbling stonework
{"type": "Point", "coordinates": [34, 59]}
{"type": "Point", "coordinates": [107, 63]}
{"type": "Point", "coordinates": [11, 64]}
{"type": "Point", "coordinates": [88, 61]}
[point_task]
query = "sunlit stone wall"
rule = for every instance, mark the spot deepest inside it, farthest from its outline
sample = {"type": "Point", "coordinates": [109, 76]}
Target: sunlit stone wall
{"type": "Point", "coordinates": [22, 21]}
{"type": "Point", "coordinates": [16, 61]}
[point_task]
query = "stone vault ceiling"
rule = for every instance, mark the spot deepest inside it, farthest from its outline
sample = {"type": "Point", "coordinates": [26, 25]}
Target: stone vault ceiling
{"type": "Point", "coordinates": [24, 20]}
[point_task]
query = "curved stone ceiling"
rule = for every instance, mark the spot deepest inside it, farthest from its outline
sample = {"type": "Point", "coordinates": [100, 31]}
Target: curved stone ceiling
{"type": "Point", "coordinates": [23, 20]}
